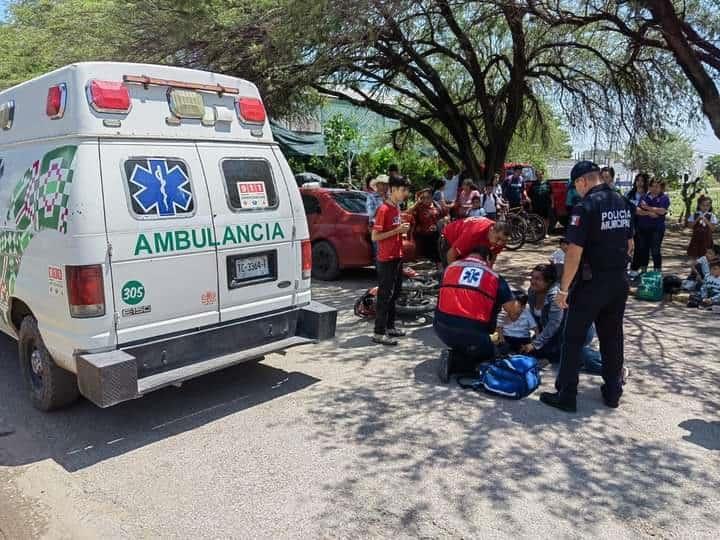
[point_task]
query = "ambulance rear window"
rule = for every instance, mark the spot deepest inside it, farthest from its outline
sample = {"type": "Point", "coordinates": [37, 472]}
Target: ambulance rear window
{"type": "Point", "coordinates": [249, 184]}
{"type": "Point", "coordinates": [159, 187]}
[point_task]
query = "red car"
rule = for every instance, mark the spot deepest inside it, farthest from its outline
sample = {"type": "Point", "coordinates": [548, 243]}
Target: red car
{"type": "Point", "coordinates": [339, 231]}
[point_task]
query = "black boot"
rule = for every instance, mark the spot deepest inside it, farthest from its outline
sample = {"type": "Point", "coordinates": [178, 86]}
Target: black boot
{"type": "Point", "coordinates": [612, 401]}
{"type": "Point", "coordinates": [554, 399]}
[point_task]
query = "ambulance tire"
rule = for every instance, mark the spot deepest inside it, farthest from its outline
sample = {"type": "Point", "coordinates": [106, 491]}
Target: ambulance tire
{"type": "Point", "coordinates": [51, 387]}
{"type": "Point", "coordinates": [326, 266]}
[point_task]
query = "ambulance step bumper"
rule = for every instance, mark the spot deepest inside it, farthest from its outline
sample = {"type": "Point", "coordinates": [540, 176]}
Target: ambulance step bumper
{"type": "Point", "coordinates": [109, 378]}
{"type": "Point", "coordinates": [168, 378]}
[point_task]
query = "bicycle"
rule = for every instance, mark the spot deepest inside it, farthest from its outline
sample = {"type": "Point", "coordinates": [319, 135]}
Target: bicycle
{"type": "Point", "coordinates": [518, 229]}
{"type": "Point", "coordinates": [535, 227]}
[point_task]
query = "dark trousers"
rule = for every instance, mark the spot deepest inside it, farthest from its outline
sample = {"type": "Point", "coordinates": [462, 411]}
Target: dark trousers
{"type": "Point", "coordinates": [600, 300]}
{"type": "Point", "coordinates": [389, 282]}
{"type": "Point", "coordinates": [469, 346]}
{"type": "Point", "coordinates": [649, 242]}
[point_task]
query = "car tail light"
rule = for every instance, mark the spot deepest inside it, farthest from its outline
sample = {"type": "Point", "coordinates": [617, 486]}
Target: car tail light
{"type": "Point", "coordinates": [56, 101]}
{"type": "Point", "coordinates": [86, 291]}
{"type": "Point", "coordinates": [250, 110]}
{"type": "Point", "coordinates": [109, 97]}
{"type": "Point", "coordinates": [306, 259]}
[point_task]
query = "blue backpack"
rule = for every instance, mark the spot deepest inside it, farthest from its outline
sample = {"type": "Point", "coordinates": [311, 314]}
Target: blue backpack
{"type": "Point", "coordinates": [515, 377]}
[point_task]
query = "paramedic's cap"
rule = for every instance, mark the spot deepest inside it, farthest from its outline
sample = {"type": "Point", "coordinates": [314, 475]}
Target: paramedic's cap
{"type": "Point", "coordinates": [582, 168]}
{"type": "Point", "coordinates": [381, 179]}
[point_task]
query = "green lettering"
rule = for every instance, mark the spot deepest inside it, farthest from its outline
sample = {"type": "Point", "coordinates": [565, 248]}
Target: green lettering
{"type": "Point", "coordinates": [142, 244]}
{"type": "Point", "coordinates": [164, 242]}
{"type": "Point", "coordinates": [203, 238]}
{"type": "Point", "coordinates": [243, 234]}
{"type": "Point", "coordinates": [211, 236]}
{"type": "Point", "coordinates": [182, 240]}
{"type": "Point", "coordinates": [229, 237]}
{"type": "Point", "coordinates": [278, 232]}
{"type": "Point", "coordinates": [257, 236]}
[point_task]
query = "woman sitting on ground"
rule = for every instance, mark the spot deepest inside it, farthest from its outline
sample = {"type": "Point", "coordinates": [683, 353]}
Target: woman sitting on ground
{"type": "Point", "coordinates": [547, 314]}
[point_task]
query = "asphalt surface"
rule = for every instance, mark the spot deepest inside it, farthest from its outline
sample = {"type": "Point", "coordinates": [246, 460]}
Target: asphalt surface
{"type": "Point", "coordinates": [347, 439]}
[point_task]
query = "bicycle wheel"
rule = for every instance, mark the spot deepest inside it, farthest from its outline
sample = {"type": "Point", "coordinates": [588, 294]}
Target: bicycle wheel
{"type": "Point", "coordinates": [517, 233]}
{"type": "Point", "coordinates": [536, 230]}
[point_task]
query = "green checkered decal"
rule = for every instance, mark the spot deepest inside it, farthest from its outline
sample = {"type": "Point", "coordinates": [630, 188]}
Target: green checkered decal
{"type": "Point", "coordinates": [39, 202]}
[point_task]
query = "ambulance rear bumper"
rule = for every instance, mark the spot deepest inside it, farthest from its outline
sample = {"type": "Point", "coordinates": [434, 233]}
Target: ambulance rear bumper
{"type": "Point", "coordinates": [111, 377]}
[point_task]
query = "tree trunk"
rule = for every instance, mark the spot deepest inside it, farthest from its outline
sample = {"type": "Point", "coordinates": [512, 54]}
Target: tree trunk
{"type": "Point", "coordinates": [670, 23]}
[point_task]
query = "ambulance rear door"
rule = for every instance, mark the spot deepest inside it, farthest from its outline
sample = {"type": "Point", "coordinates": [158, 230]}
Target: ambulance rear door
{"type": "Point", "coordinates": [257, 259]}
{"type": "Point", "coordinates": [160, 232]}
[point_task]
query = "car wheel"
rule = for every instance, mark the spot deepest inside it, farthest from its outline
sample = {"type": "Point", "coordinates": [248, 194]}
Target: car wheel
{"type": "Point", "coordinates": [326, 266]}
{"type": "Point", "coordinates": [50, 387]}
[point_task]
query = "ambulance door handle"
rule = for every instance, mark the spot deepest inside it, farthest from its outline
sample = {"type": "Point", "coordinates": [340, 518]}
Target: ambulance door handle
{"type": "Point", "coordinates": [284, 284]}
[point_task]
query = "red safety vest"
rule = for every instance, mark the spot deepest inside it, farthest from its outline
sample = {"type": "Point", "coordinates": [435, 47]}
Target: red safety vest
{"type": "Point", "coordinates": [469, 290]}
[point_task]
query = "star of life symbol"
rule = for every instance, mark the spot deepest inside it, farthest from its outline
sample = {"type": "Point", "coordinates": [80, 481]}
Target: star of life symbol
{"type": "Point", "coordinates": [163, 190]}
{"type": "Point", "coordinates": [471, 276]}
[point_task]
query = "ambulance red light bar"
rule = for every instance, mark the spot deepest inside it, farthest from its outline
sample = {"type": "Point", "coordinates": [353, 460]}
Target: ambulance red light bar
{"type": "Point", "coordinates": [152, 81]}
{"type": "Point", "coordinates": [251, 110]}
{"type": "Point", "coordinates": [56, 101]}
{"type": "Point", "coordinates": [109, 97]}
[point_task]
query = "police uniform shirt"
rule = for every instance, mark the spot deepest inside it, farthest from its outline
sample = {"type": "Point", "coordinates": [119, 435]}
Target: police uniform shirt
{"type": "Point", "coordinates": [601, 223]}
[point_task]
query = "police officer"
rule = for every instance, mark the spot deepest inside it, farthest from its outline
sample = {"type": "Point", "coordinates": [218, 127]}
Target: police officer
{"type": "Point", "coordinates": [594, 287]}
{"type": "Point", "coordinates": [471, 297]}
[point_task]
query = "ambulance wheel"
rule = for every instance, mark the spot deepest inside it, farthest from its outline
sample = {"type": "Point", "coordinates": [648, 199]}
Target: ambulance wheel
{"type": "Point", "coordinates": [325, 261]}
{"type": "Point", "coordinates": [50, 387]}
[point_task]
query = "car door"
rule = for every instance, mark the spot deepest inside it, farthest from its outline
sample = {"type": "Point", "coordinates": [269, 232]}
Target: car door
{"type": "Point", "coordinates": [159, 229]}
{"type": "Point", "coordinates": [254, 229]}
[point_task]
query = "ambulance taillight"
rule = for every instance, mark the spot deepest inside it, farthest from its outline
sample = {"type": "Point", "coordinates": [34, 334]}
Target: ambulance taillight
{"type": "Point", "coordinates": [109, 97]}
{"type": "Point", "coordinates": [86, 291]}
{"type": "Point", "coordinates": [56, 101]}
{"type": "Point", "coordinates": [306, 259]}
{"type": "Point", "coordinates": [251, 110]}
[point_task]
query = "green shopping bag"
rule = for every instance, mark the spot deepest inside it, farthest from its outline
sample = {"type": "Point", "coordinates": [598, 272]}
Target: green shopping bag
{"type": "Point", "coordinates": [651, 287]}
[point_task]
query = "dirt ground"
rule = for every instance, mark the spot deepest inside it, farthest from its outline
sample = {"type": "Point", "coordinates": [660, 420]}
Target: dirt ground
{"type": "Point", "coordinates": [347, 439]}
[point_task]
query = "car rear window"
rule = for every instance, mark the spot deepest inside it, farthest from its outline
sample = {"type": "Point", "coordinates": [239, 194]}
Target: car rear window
{"type": "Point", "coordinates": [351, 201]}
{"type": "Point", "coordinates": [249, 184]}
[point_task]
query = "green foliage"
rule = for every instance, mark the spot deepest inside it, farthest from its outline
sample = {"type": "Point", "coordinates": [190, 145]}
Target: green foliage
{"type": "Point", "coordinates": [665, 154]}
{"type": "Point", "coordinates": [42, 35]}
{"type": "Point", "coordinates": [713, 166]}
{"type": "Point", "coordinates": [341, 139]}
{"type": "Point", "coordinates": [537, 142]}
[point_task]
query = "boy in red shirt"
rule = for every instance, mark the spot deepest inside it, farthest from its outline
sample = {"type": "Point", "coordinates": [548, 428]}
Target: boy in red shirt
{"type": "Point", "coordinates": [387, 232]}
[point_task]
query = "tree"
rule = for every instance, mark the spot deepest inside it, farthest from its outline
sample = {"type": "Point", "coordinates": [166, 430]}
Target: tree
{"type": "Point", "coordinates": [713, 166]}
{"type": "Point", "coordinates": [665, 154]}
{"type": "Point", "coordinates": [689, 190]}
{"type": "Point", "coordinates": [686, 31]}
{"type": "Point", "coordinates": [465, 74]}
{"type": "Point", "coordinates": [342, 139]}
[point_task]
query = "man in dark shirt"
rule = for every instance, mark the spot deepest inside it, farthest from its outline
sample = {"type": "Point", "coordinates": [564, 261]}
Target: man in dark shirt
{"type": "Point", "coordinates": [594, 286]}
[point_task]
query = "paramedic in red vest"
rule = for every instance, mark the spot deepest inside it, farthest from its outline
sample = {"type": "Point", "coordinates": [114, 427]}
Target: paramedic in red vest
{"type": "Point", "coordinates": [471, 297]}
{"type": "Point", "coordinates": [460, 236]}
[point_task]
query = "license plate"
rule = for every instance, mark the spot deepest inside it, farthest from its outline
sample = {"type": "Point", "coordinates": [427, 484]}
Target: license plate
{"type": "Point", "coordinates": [252, 267]}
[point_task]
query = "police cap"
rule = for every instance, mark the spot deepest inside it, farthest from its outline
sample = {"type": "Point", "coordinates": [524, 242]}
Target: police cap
{"type": "Point", "coordinates": [582, 168]}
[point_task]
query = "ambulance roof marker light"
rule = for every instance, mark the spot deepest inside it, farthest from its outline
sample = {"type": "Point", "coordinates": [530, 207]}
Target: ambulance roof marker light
{"type": "Point", "coordinates": [56, 101]}
{"type": "Point", "coordinates": [251, 110]}
{"type": "Point", "coordinates": [108, 97]}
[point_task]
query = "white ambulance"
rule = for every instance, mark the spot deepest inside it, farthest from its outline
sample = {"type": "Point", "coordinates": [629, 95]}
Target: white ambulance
{"type": "Point", "coordinates": [152, 231]}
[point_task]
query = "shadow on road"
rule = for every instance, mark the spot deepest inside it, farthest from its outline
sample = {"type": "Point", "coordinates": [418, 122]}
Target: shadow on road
{"type": "Point", "coordinates": [83, 434]}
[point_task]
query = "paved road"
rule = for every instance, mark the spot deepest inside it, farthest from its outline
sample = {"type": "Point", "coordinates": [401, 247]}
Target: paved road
{"type": "Point", "coordinates": [349, 440]}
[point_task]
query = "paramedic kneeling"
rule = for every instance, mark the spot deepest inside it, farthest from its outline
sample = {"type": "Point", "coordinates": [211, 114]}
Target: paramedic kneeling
{"type": "Point", "coordinates": [471, 297]}
{"type": "Point", "coordinates": [594, 286]}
